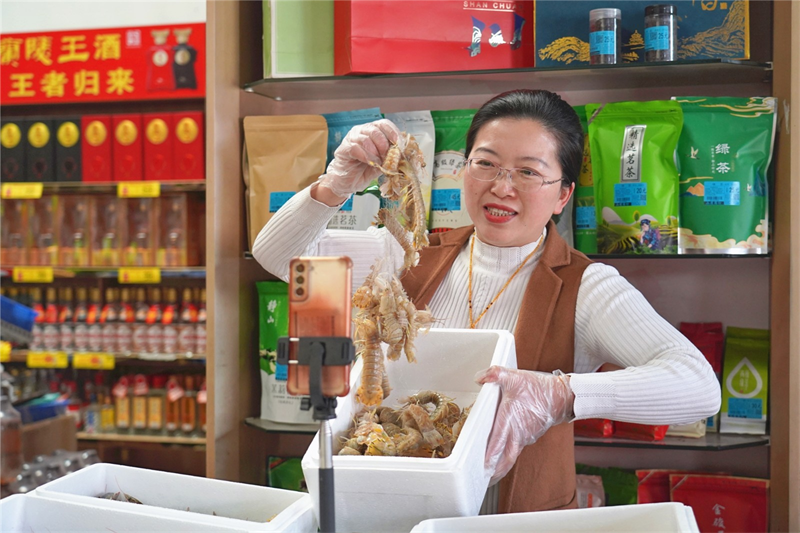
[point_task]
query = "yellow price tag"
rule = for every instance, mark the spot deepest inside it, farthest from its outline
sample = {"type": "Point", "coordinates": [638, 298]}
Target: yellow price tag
{"type": "Point", "coordinates": [22, 191]}
{"type": "Point", "coordinates": [139, 189]}
{"type": "Point", "coordinates": [47, 360]}
{"type": "Point", "coordinates": [93, 361]}
{"type": "Point", "coordinates": [5, 352]}
{"type": "Point", "coordinates": [32, 274]}
{"type": "Point", "coordinates": [139, 275]}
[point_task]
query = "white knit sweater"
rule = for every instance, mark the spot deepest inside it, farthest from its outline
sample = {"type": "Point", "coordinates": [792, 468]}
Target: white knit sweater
{"type": "Point", "coordinates": [665, 380]}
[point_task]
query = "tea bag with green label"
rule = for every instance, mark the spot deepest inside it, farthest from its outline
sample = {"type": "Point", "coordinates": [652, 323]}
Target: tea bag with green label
{"type": "Point", "coordinates": [585, 214]}
{"type": "Point", "coordinates": [745, 381]}
{"type": "Point", "coordinates": [724, 151]}
{"type": "Point", "coordinates": [448, 210]}
{"type": "Point", "coordinates": [635, 178]}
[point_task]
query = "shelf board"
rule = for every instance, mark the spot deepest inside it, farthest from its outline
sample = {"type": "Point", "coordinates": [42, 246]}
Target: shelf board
{"type": "Point", "coordinates": [275, 427]}
{"type": "Point", "coordinates": [158, 439]}
{"type": "Point", "coordinates": [710, 442]}
{"type": "Point", "coordinates": [51, 187]}
{"type": "Point", "coordinates": [60, 272]}
{"type": "Point", "coordinates": [600, 257]}
{"type": "Point", "coordinates": [20, 356]}
{"type": "Point", "coordinates": [572, 78]}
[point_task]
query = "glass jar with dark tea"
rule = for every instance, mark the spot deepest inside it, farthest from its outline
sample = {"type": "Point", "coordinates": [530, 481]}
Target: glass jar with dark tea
{"type": "Point", "coordinates": [660, 33]}
{"type": "Point", "coordinates": [605, 47]}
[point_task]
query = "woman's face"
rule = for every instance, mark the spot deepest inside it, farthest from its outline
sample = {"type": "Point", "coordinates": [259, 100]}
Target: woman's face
{"type": "Point", "coordinates": [504, 216]}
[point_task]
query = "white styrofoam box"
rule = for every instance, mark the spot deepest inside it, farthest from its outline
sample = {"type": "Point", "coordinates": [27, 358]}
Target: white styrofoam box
{"type": "Point", "coordinates": [666, 517]}
{"type": "Point", "coordinates": [394, 493]}
{"type": "Point", "coordinates": [23, 513]}
{"type": "Point", "coordinates": [209, 501]}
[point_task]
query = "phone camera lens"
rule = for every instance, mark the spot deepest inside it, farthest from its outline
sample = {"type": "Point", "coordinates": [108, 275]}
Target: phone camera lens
{"type": "Point", "coordinates": [299, 291]}
{"type": "Point", "coordinates": [300, 268]}
{"type": "Point", "coordinates": [300, 279]}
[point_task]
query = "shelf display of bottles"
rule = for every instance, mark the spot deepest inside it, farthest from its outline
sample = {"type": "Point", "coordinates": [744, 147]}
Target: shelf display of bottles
{"type": "Point", "coordinates": [148, 322]}
{"type": "Point", "coordinates": [78, 230]}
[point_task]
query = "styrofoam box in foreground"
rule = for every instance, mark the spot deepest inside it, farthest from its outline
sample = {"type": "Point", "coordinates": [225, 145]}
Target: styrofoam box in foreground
{"type": "Point", "coordinates": [209, 501]}
{"type": "Point", "coordinates": [26, 513]}
{"type": "Point", "coordinates": [395, 493]}
{"type": "Point", "coordinates": [666, 517]}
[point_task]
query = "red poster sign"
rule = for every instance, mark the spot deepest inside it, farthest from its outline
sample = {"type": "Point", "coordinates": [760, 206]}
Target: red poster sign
{"type": "Point", "coordinates": [140, 63]}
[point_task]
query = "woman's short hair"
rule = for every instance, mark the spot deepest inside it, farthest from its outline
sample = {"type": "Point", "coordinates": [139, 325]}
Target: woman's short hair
{"type": "Point", "coordinates": [545, 107]}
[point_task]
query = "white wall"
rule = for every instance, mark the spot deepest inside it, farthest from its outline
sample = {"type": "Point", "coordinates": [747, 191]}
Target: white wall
{"type": "Point", "coordinates": [23, 16]}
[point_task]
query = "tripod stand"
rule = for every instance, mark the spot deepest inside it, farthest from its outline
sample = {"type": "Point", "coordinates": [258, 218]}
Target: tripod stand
{"type": "Point", "coordinates": [317, 352]}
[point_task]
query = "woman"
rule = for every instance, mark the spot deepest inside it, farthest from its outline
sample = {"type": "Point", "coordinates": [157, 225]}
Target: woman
{"type": "Point", "coordinates": [513, 271]}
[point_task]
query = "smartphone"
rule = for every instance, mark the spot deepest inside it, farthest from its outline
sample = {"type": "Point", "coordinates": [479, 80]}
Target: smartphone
{"type": "Point", "coordinates": [319, 306]}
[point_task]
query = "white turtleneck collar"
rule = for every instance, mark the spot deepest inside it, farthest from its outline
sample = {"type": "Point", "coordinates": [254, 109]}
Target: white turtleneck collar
{"type": "Point", "coordinates": [504, 260]}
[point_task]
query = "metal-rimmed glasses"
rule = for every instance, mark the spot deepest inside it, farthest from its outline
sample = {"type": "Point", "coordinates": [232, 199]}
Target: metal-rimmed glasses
{"type": "Point", "coordinates": [522, 179]}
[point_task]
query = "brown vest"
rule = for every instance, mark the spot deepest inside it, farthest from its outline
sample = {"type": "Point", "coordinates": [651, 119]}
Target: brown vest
{"type": "Point", "coordinates": [544, 474]}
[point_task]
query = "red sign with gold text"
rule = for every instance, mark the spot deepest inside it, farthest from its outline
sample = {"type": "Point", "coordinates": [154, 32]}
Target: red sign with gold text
{"type": "Point", "coordinates": [140, 63]}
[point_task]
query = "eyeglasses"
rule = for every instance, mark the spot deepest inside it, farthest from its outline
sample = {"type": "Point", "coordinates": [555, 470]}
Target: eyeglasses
{"type": "Point", "coordinates": [522, 179]}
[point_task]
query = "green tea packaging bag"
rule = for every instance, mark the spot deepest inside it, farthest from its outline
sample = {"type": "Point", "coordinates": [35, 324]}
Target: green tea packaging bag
{"type": "Point", "coordinates": [298, 38]}
{"type": "Point", "coordinates": [724, 152]}
{"type": "Point", "coordinates": [745, 381]}
{"type": "Point", "coordinates": [635, 178]}
{"type": "Point", "coordinates": [448, 210]}
{"type": "Point", "coordinates": [585, 214]}
{"type": "Point", "coordinates": [277, 405]}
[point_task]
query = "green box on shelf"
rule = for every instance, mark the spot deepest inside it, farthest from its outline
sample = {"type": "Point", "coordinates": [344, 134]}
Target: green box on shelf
{"type": "Point", "coordinates": [298, 38]}
{"type": "Point", "coordinates": [706, 30]}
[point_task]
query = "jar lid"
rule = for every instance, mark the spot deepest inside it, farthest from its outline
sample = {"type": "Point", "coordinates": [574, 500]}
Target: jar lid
{"type": "Point", "coordinates": [661, 9]}
{"type": "Point", "coordinates": [605, 13]}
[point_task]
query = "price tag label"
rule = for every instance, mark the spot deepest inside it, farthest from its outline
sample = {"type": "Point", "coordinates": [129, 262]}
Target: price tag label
{"type": "Point", "coordinates": [139, 275]}
{"type": "Point", "coordinates": [5, 352]}
{"type": "Point", "coordinates": [22, 191]}
{"type": "Point", "coordinates": [47, 360]}
{"type": "Point", "coordinates": [32, 274]}
{"type": "Point", "coordinates": [93, 361]}
{"type": "Point", "coordinates": [139, 189]}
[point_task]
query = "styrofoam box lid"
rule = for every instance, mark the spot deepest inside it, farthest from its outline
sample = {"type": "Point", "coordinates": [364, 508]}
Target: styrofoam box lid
{"type": "Point", "coordinates": [23, 513]}
{"type": "Point", "coordinates": [395, 493]}
{"type": "Point", "coordinates": [209, 501]}
{"type": "Point", "coordinates": [671, 517]}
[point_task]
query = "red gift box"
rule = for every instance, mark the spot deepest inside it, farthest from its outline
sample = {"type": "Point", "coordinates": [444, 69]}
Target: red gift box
{"type": "Point", "coordinates": [594, 427]}
{"type": "Point", "coordinates": [628, 430]}
{"type": "Point", "coordinates": [127, 147]}
{"type": "Point", "coordinates": [96, 147]}
{"type": "Point", "coordinates": [189, 155]}
{"type": "Point", "coordinates": [723, 503]}
{"type": "Point", "coordinates": [387, 36]}
{"type": "Point", "coordinates": [158, 139]}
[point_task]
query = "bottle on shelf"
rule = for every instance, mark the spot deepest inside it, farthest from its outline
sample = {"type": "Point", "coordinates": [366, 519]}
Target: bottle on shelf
{"type": "Point", "coordinates": [109, 318]}
{"type": "Point", "coordinates": [11, 458]}
{"type": "Point", "coordinates": [125, 323]}
{"type": "Point", "coordinates": [139, 326]}
{"type": "Point", "coordinates": [155, 336]}
{"type": "Point", "coordinates": [80, 327]}
{"type": "Point", "coordinates": [184, 60]}
{"type": "Point", "coordinates": [169, 322]}
{"type": "Point", "coordinates": [65, 320]}
{"type": "Point", "coordinates": [122, 404]}
{"type": "Point", "coordinates": [159, 59]}
{"type": "Point", "coordinates": [51, 336]}
{"type": "Point", "coordinates": [108, 423]}
{"type": "Point", "coordinates": [37, 343]}
{"type": "Point", "coordinates": [187, 326]}
{"type": "Point", "coordinates": [91, 409]}
{"type": "Point", "coordinates": [172, 420]}
{"type": "Point", "coordinates": [202, 401]}
{"type": "Point", "coordinates": [189, 407]}
{"type": "Point", "coordinates": [140, 390]}
{"type": "Point", "coordinates": [94, 327]}
{"type": "Point", "coordinates": [200, 331]}
{"type": "Point", "coordinates": [156, 405]}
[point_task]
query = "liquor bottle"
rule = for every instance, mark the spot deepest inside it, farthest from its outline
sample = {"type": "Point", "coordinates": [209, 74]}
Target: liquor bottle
{"type": "Point", "coordinates": [155, 337]}
{"type": "Point", "coordinates": [140, 309]}
{"type": "Point", "coordinates": [156, 405]}
{"type": "Point", "coordinates": [172, 231]}
{"type": "Point", "coordinates": [172, 420]}
{"type": "Point", "coordinates": [187, 326]}
{"type": "Point", "coordinates": [159, 58]}
{"type": "Point", "coordinates": [140, 390]}
{"type": "Point", "coordinates": [91, 409]}
{"type": "Point", "coordinates": [169, 321]}
{"type": "Point", "coordinates": [51, 334]}
{"type": "Point", "coordinates": [200, 334]}
{"type": "Point", "coordinates": [125, 323]}
{"type": "Point", "coordinates": [95, 329]}
{"type": "Point", "coordinates": [65, 320]}
{"type": "Point", "coordinates": [189, 407]}
{"type": "Point", "coordinates": [107, 415]}
{"type": "Point", "coordinates": [185, 56]}
{"type": "Point", "coordinates": [38, 323]}
{"type": "Point", "coordinates": [122, 404]}
{"type": "Point", "coordinates": [105, 231]}
{"type": "Point", "coordinates": [80, 328]}
{"type": "Point", "coordinates": [109, 318]}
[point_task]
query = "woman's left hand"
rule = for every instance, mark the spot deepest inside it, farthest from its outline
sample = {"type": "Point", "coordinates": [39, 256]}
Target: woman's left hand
{"type": "Point", "coordinates": [530, 404]}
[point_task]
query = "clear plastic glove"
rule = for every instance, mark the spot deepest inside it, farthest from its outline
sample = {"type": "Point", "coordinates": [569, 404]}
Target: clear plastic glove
{"type": "Point", "coordinates": [530, 404]}
{"type": "Point", "coordinates": [350, 171]}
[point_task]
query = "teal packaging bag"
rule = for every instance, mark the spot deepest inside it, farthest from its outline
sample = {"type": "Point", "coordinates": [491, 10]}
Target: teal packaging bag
{"type": "Point", "coordinates": [339, 124]}
{"type": "Point", "coordinates": [298, 38]}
